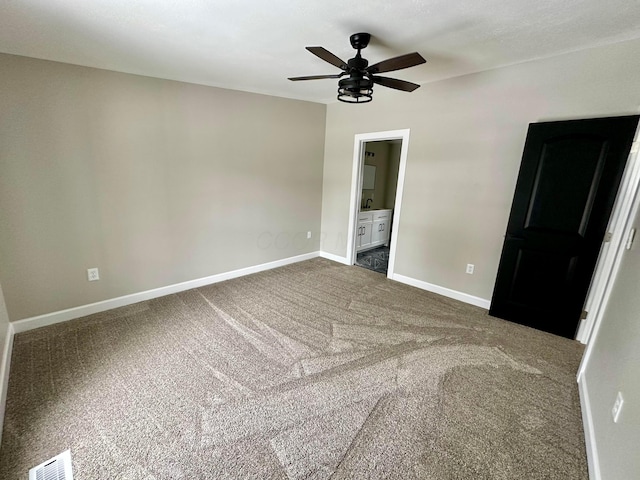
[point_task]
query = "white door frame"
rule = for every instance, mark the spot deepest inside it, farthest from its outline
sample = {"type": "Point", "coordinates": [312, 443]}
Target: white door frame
{"type": "Point", "coordinates": [356, 189]}
{"type": "Point", "coordinates": [620, 225]}
{"type": "Point", "coordinates": [607, 266]}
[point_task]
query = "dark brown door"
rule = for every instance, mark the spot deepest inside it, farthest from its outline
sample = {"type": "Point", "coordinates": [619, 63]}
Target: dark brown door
{"type": "Point", "coordinates": [566, 188]}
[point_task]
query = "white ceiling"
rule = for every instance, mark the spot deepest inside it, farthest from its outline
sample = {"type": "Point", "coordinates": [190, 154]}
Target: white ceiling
{"type": "Point", "coordinates": [254, 45]}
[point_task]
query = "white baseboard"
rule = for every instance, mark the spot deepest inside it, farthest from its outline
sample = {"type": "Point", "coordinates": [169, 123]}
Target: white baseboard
{"type": "Point", "coordinates": [5, 363]}
{"type": "Point", "coordinates": [447, 292]}
{"type": "Point", "coordinates": [83, 310]}
{"type": "Point", "coordinates": [589, 434]}
{"type": "Point", "coordinates": [335, 258]}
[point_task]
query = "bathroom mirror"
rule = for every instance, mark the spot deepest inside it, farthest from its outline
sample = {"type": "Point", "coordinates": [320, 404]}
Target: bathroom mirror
{"type": "Point", "coordinates": [369, 177]}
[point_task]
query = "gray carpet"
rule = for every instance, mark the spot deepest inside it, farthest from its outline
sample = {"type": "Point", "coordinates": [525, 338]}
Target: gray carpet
{"type": "Point", "coordinates": [311, 371]}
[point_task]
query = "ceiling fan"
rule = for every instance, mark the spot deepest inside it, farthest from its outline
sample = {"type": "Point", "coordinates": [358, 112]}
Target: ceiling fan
{"type": "Point", "coordinates": [358, 87]}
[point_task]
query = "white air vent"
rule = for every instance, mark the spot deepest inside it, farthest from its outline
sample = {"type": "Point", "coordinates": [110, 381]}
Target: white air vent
{"type": "Point", "coordinates": [56, 468]}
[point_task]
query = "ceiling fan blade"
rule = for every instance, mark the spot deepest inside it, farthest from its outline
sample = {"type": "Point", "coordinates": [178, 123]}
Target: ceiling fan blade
{"type": "Point", "coordinates": [395, 83]}
{"type": "Point", "coordinates": [397, 63]}
{"type": "Point", "coordinates": [327, 56]}
{"type": "Point", "coordinates": [316, 77]}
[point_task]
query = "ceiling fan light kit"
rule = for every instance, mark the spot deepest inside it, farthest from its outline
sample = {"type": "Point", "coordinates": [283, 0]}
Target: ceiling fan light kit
{"type": "Point", "coordinates": [358, 87]}
{"type": "Point", "coordinates": [355, 90]}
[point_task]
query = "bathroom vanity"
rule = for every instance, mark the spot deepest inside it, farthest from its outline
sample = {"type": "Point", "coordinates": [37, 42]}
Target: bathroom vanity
{"type": "Point", "coordinates": [373, 229]}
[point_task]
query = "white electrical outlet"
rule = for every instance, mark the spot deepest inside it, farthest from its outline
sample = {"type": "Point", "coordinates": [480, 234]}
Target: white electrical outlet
{"type": "Point", "coordinates": [93, 274]}
{"type": "Point", "coordinates": [309, 234]}
{"type": "Point", "coordinates": [470, 268]}
{"type": "Point", "coordinates": [617, 407]}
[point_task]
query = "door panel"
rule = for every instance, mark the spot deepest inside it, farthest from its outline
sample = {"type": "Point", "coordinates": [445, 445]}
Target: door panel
{"type": "Point", "coordinates": [378, 233]}
{"type": "Point", "coordinates": [566, 210]}
{"type": "Point", "coordinates": [365, 239]}
{"type": "Point", "coordinates": [566, 188]}
{"type": "Point", "coordinates": [541, 275]}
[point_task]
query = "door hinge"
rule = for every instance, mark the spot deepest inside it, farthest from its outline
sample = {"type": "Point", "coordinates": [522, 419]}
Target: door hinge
{"type": "Point", "coordinates": [630, 238]}
{"type": "Point", "coordinates": [607, 237]}
{"type": "Point", "coordinates": [583, 315]}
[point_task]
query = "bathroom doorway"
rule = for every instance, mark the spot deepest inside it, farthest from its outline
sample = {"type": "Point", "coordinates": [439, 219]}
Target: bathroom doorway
{"type": "Point", "coordinates": [381, 164]}
{"type": "Point", "coordinates": [377, 183]}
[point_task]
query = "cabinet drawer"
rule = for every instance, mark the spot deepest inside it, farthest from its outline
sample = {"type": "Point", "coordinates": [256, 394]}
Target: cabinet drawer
{"type": "Point", "coordinates": [382, 215]}
{"type": "Point", "coordinates": [365, 217]}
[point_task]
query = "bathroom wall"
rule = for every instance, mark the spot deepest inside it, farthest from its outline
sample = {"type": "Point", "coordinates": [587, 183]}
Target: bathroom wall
{"type": "Point", "coordinates": [392, 174]}
{"type": "Point", "coordinates": [376, 154]}
{"type": "Point", "coordinates": [386, 159]}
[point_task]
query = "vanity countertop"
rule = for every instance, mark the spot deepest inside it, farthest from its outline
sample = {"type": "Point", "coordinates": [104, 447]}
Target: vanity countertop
{"type": "Point", "coordinates": [374, 215]}
{"type": "Point", "coordinates": [365, 210]}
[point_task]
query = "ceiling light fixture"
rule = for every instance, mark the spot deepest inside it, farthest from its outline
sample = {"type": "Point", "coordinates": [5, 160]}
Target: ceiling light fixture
{"type": "Point", "coordinates": [355, 90]}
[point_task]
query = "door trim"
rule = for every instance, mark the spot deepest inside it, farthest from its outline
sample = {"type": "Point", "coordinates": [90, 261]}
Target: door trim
{"type": "Point", "coordinates": [610, 254]}
{"type": "Point", "coordinates": [625, 212]}
{"type": "Point", "coordinates": [356, 186]}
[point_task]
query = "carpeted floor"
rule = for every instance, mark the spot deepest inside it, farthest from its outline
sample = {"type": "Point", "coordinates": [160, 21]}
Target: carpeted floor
{"type": "Point", "coordinates": [311, 371]}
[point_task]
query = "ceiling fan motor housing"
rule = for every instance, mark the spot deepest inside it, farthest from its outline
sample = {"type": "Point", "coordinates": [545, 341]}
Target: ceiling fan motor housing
{"type": "Point", "coordinates": [357, 63]}
{"type": "Point", "coordinates": [355, 83]}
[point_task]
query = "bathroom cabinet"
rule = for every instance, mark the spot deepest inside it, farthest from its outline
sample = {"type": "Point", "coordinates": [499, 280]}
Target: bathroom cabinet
{"type": "Point", "coordinates": [373, 229]}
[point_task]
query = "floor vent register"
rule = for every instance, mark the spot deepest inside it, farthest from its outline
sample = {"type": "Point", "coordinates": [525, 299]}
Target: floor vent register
{"type": "Point", "coordinates": [56, 468]}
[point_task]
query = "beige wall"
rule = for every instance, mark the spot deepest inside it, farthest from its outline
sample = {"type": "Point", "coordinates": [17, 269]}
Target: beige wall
{"type": "Point", "coordinates": [392, 174]}
{"type": "Point", "coordinates": [466, 142]}
{"type": "Point", "coordinates": [155, 182]}
{"type": "Point", "coordinates": [4, 351]}
{"type": "Point", "coordinates": [381, 161]}
{"type": "Point", "coordinates": [614, 365]}
{"type": "Point", "coordinates": [4, 331]}
{"type": "Point", "coordinates": [386, 159]}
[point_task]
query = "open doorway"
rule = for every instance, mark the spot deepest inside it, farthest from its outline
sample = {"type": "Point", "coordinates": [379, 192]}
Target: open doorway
{"type": "Point", "coordinates": [376, 195]}
{"type": "Point", "coordinates": [381, 164]}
